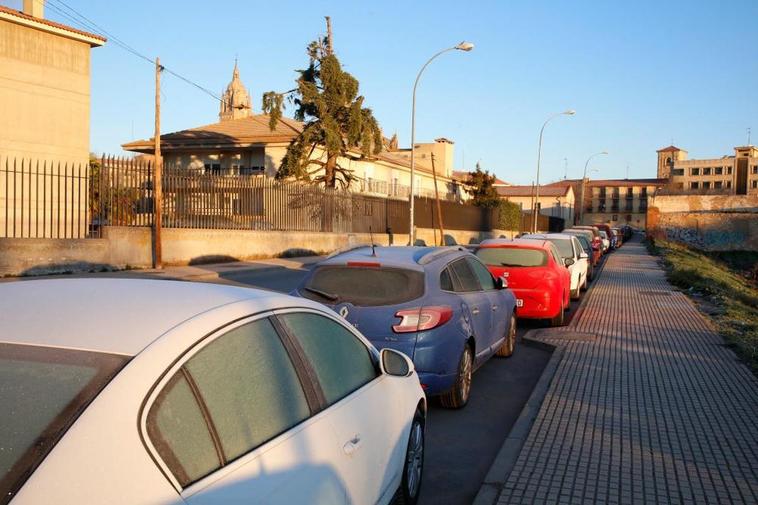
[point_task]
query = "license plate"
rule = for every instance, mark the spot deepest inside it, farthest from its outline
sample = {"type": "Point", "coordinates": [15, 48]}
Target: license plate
{"type": "Point", "coordinates": [519, 302]}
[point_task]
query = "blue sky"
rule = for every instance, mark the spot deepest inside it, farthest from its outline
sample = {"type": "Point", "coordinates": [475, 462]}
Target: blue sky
{"type": "Point", "coordinates": [639, 74]}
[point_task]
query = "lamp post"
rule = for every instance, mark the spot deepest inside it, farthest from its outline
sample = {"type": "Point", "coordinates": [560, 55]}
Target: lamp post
{"type": "Point", "coordinates": [569, 112]}
{"type": "Point", "coordinates": [584, 180]}
{"type": "Point", "coordinates": [463, 46]}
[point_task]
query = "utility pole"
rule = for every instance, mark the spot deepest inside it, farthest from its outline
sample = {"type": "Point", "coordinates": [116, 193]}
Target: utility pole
{"type": "Point", "coordinates": [329, 39]}
{"type": "Point", "coordinates": [157, 173]}
{"type": "Point", "coordinates": [439, 207]}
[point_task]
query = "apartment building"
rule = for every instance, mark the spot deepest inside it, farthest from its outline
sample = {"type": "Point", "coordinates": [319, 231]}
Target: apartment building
{"type": "Point", "coordinates": [735, 174]}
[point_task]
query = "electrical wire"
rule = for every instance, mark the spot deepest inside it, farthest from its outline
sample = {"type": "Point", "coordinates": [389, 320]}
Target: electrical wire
{"type": "Point", "coordinates": [68, 12]}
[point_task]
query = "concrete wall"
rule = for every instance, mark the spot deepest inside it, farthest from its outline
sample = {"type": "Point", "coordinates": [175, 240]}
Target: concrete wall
{"type": "Point", "coordinates": [130, 247]}
{"type": "Point", "coordinates": [708, 222]}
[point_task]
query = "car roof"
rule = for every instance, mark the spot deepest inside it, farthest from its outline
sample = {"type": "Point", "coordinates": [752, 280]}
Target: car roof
{"type": "Point", "coordinates": [409, 257]}
{"type": "Point", "coordinates": [119, 316]}
{"type": "Point", "coordinates": [547, 236]}
{"type": "Point", "coordinates": [525, 242]}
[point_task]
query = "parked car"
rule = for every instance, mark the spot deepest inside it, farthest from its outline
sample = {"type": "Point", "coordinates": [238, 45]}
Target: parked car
{"type": "Point", "coordinates": [536, 275]}
{"type": "Point", "coordinates": [595, 233]}
{"type": "Point", "coordinates": [441, 306]}
{"type": "Point", "coordinates": [606, 242]}
{"type": "Point", "coordinates": [574, 257]}
{"type": "Point", "coordinates": [618, 236]}
{"type": "Point", "coordinates": [141, 391]}
{"type": "Point", "coordinates": [609, 234]}
{"type": "Point", "coordinates": [596, 243]}
{"type": "Point", "coordinates": [587, 248]}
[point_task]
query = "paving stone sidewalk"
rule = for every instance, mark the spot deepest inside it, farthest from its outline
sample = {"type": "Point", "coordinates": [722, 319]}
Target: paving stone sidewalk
{"type": "Point", "coordinates": [646, 406]}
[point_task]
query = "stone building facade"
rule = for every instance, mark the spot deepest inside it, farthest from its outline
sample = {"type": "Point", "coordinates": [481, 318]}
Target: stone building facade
{"type": "Point", "coordinates": [735, 174]}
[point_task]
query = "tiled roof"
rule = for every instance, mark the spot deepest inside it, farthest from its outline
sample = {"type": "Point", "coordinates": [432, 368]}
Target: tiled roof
{"type": "Point", "coordinates": [529, 190]}
{"type": "Point", "coordinates": [248, 130]}
{"type": "Point", "coordinates": [27, 17]}
{"type": "Point", "coordinates": [669, 149]}
{"type": "Point", "coordinates": [462, 175]}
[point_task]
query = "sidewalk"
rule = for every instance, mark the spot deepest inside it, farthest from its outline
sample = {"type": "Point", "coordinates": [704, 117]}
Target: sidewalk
{"type": "Point", "coordinates": [647, 405]}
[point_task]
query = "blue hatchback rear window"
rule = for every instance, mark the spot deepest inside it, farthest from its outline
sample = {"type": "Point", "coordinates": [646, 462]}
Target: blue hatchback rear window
{"type": "Point", "coordinates": [364, 286]}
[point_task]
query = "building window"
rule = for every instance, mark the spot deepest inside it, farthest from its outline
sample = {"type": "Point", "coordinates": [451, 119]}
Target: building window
{"type": "Point", "coordinates": [755, 169]}
{"type": "Point", "coordinates": [728, 184]}
{"type": "Point", "coordinates": [718, 170]}
{"type": "Point", "coordinates": [615, 217]}
{"type": "Point", "coordinates": [707, 171]}
{"type": "Point", "coordinates": [728, 170]}
{"type": "Point", "coordinates": [694, 185]}
{"type": "Point", "coordinates": [717, 184]}
{"type": "Point", "coordinates": [706, 185]}
{"type": "Point", "coordinates": [678, 171]}
{"type": "Point", "coordinates": [643, 193]}
{"type": "Point", "coordinates": [629, 192]}
{"type": "Point", "coordinates": [212, 168]}
{"type": "Point", "coordinates": [695, 171]}
{"type": "Point", "coordinates": [755, 184]}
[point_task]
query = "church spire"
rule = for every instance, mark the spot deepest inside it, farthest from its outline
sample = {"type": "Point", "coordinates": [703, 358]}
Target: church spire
{"type": "Point", "coordinates": [235, 101]}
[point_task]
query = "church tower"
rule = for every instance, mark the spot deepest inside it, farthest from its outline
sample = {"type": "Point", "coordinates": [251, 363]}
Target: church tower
{"type": "Point", "coordinates": [235, 101]}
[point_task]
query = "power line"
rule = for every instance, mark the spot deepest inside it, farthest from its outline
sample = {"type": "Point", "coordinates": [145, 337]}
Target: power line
{"type": "Point", "coordinates": [79, 19]}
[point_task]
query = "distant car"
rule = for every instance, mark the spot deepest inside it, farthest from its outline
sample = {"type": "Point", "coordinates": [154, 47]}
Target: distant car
{"type": "Point", "coordinates": [619, 237]}
{"type": "Point", "coordinates": [144, 392]}
{"type": "Point", "coordinates": [441, 306]}
{"type": "Point", "coordinates": [597, 239]}
{"type": "Point", "coordinates": [596, 243]}
{"type": "Point", "coordinates": [536, 274]}
{"type": "Point", "coordinates": [609, 234]}
{"type": "Point", "coordinates": [587, 247]}
{"type": "Point", "coordinates": [574, 257]}
{"type": "Point", "coordinates": [606, 241]}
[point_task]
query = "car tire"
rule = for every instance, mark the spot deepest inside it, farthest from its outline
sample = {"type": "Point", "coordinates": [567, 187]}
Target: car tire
{"type": "Point", "coordinates": [459, 394]}
{"type": "Point", "coordinates": [506, 350]}
{"type": "Point", "coordinates": [558, 319]}
{"type": "Point", "coordinates": [413, 470]}
{"type": "Point", "coordinates": [584, 284]}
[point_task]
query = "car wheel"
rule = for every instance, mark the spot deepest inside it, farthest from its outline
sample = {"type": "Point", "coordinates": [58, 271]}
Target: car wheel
{"type": "Point", "coordinates": [413, 470]}
{"type": "Point", "coordinates": [584, 284]}
{"type": "Point", "coordinates": [574, 294]}
{"type": "Point", "coordinates": [458, 395]}
{"type": "Point", "coordinates": [558, 319]}
{"type": "Point", "coordinates": [506, 350]}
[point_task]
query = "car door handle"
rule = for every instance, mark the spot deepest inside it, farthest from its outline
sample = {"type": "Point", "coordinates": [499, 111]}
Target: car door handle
{"type": "Point", "coordinates": [475, 311]}
{"type": "Point", "coordinates": [494, 308]}
{"type": "Point", "coordinates": [352, 445]}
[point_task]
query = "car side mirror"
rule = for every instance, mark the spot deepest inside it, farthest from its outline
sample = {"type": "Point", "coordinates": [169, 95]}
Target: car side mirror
{"type": "Point", "coordinates": [568, 261]}
{"type": "Point", "coordinates": [583, 256]}
{"type": "Point", "coordinates": [501, 282]}
{"type": "Point", "coordinates": [395, 363]}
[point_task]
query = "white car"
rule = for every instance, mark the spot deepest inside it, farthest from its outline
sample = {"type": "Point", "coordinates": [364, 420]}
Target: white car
{"type": "Point", "coordinates": [574, 257]}
{"type": "Point", "coordinates": [160, 392]}
{"type": "Point", "coordinates": [606, 241]}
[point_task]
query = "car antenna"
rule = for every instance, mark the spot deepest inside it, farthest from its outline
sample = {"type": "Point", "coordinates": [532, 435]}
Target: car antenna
{"type": "Point", "coordinates": [371, 237]}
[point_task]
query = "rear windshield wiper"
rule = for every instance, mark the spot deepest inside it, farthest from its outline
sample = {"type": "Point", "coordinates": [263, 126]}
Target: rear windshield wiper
{"type": "Point", "coordinates": [509, 265]}
{"type": "Point", "coordinates": [323, 294]}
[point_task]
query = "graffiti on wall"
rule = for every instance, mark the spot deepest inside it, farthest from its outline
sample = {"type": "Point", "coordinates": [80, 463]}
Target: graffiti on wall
{"type": "Point", "coordinates": [706, 239]}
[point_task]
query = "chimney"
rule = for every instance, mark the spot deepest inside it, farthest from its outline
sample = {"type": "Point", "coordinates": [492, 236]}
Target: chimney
{"type": "Point", "coordinates": [35, 8]}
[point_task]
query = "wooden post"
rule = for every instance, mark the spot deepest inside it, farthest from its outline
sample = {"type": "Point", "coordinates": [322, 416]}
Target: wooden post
{"type": "Point", "coordinates": [158, 172]}
{"type": "Point", "coordinates": [439, 207]}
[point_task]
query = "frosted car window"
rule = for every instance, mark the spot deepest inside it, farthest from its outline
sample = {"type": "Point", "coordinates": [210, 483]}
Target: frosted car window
{"type": "Point", "coordinates": [364, 286]}
{"type": "Point", "coordinates": [466, 277]}
{"type": "Point", "coordinates": [565, 249]}
{"type": "Point", "coordinates": [512, 257]}
{"type": "Point", "coordinates": [42, 392]}
{"type": "Point", "coordinates": [250, 387]}
{"type": "Point", "coordinates": [341, 361]}
{"type": "Point", "coordinates": [484, 275]}
{"type": "Point", "coordinates": [180, 434]}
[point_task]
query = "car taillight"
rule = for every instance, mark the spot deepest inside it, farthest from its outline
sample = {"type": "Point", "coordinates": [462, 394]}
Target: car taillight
{"type": "Point", "coordinates": [422, 318]}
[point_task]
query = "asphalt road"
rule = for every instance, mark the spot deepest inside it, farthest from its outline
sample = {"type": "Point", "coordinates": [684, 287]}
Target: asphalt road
{"type": "Point", "coordinates": [461, 444]}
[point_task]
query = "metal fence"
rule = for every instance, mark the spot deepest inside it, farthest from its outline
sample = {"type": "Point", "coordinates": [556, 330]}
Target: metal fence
{"type": "Point", "coordinates": [44, 199]}
{"type": "Point", "coordinates": [59, 200]}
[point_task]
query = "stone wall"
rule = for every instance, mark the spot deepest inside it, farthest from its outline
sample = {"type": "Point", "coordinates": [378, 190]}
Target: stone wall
{"type": "Point", "coordinates": [707, 222]}
{"type": "Point", "coordinates": [131, 247]}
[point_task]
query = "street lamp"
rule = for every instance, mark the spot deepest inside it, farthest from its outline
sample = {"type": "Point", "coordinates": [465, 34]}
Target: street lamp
{"type": "Point", "coordinates": [569, 112]}
{"type": "Point", "coordinates": [463, 46]}
{"type": "Point", "coordinates": [584, 178]}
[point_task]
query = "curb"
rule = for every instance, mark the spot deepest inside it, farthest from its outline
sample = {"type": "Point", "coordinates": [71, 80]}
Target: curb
{"type": "Point", "coordinates": [508, 454]}
{"type": "Point", "coordinates": [506, 458]}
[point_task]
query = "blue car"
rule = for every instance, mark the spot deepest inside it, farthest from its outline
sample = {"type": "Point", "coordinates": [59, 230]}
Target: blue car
{"type": "Point", "coordinates": [438, 305]}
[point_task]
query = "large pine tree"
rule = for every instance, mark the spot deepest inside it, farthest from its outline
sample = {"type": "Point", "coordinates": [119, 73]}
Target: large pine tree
{"type": "Point", "coordinates": [327, 101]}
{"type": "Point", "coordinates": [481, 187]}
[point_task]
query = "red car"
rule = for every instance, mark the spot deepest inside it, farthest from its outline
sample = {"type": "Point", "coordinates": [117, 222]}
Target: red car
{"type": "Point", "coordinates": [535, 273]}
